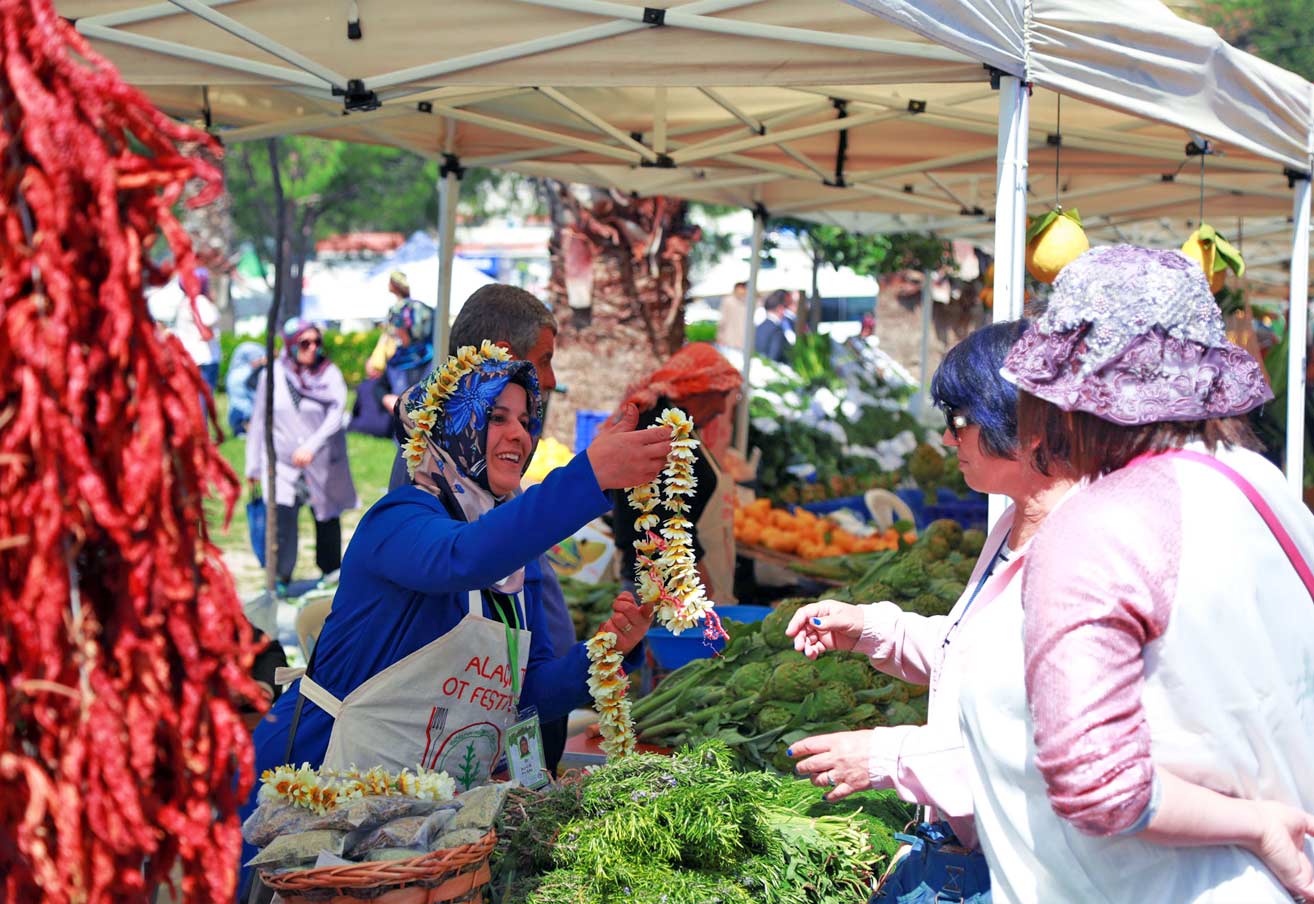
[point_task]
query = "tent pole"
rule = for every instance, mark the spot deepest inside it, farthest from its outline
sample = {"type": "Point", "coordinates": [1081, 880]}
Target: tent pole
{"type": "Point", "coordinates": [449, 192]}
{"type": "Point", "coordinates": [1010, 213]}
{"type": "Point", "coordinates": [750, 331]}
{"type": "Point", "coordinates": [1298, 341]}
{"type": "Point", "coordinates": [924, 398]}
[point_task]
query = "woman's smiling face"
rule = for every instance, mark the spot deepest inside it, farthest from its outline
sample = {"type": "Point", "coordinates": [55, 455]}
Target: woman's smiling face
{"type": "Point", "coordinates": [509, 442]}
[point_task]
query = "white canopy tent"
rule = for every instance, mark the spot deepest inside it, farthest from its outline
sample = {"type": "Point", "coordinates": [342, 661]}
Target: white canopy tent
{"type": "Point", "coordinates": [820, 109]}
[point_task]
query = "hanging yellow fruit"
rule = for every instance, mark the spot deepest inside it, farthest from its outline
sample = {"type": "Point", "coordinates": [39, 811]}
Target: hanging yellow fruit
{"type": "Point", "coordinates": [1054, 240]}
{"type": "Point", "coordinates": [1215, 255]}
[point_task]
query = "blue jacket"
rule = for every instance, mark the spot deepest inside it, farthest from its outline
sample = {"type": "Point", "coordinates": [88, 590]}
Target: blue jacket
{"type": "Point", "coordinates": [405, 580]}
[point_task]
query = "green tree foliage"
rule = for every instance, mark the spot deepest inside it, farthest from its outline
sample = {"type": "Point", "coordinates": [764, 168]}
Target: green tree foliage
{"type": "Point", "coordinates": [867, 255]}
{"type": "Point", "coordinates": [1280, 31]}
{"type": "Point", "coordinates": [336, 186]}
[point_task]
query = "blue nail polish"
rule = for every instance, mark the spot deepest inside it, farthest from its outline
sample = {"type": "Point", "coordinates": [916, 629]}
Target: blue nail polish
{"type": "Point", "coordinates": [789, 752]}
{"type": "Point", "coordinates": [816, 621]}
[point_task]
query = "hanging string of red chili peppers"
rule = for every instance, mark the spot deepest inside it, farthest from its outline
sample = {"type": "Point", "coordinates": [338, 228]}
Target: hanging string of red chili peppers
{"type": "Point", "coordinates": [123, 650]}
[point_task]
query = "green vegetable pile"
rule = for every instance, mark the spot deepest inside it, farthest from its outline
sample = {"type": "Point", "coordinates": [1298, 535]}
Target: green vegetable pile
{"type": "Point", "coordinates": [689, 829]}
{"type": "Point", "coordinates": [760, 695]}
{"type": "Point", "coordinates": [589, 604]}
{"type": "Point", "coordinates": [927, 577]}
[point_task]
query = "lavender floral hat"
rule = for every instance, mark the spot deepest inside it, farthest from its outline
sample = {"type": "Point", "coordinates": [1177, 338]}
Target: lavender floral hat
{"type": "Point", "coordinates": [1133, 336]}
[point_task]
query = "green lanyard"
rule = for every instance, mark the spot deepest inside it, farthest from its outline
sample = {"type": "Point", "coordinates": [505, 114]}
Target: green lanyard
{"type": "Point", "coordinates": [513, 646]}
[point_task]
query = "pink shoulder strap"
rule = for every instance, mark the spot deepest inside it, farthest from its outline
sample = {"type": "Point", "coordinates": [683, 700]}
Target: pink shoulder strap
{"type": "Point", "coordinates": [1256, 499]}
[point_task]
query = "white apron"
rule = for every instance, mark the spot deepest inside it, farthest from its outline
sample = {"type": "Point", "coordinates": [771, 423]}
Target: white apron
{"type": "Point", "coordinates": [446, 706]}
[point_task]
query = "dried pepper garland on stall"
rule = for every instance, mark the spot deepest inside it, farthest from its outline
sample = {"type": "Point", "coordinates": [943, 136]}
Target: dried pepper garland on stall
{"type": "Point", "coordinates": [666, 576]}
{"type": "Point", "coordinates": [123, 649]}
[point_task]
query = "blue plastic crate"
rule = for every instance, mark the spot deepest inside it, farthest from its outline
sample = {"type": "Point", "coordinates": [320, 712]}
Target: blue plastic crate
{"type": "Point", "coordinates": [671, 651]}
{"type": "Point", "coordinates": [969, 511]}
{"type": "Point", "coordinates": [826, 506]}
{"type": "Point", "coordinates": [586, 427]}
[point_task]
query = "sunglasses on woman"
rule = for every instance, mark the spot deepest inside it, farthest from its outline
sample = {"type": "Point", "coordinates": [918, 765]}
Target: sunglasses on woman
{"type": "Point", "coordinates": [955, 420]}
{"type": "Point", "coordinates": [309, 343]}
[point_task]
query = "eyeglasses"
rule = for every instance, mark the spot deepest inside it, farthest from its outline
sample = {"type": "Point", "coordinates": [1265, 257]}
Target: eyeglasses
{"type": "Point", "coordinates": [309, 343]}
{"type": "Point", "coordinates": [955, 421]}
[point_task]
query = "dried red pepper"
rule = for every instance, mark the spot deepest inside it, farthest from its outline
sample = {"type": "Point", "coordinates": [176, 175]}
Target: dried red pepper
{"type": "Point", "coordinates": [124, 654]}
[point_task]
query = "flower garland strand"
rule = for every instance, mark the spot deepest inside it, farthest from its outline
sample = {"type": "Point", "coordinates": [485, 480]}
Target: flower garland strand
{"type": "Point", "coordinates": [669, 582]}
{"type": "Point", "coordinates": [322, 790]}
{"type": "Point", "coordinates": [441, 387]}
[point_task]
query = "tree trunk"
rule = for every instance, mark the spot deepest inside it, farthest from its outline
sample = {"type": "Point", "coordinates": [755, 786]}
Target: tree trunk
{"type": "Point", "coordinates": [619, 279]}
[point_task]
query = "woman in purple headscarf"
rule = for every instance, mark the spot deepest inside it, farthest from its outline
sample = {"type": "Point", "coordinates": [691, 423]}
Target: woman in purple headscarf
{"type": "Point", "coordinates": [1142, 727]}
{"type": "Point", "coordinates": [310, 447]}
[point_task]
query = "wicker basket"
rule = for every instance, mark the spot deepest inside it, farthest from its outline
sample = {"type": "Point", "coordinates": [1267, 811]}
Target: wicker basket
{"type": "Point", "coordinates": [453, 876]}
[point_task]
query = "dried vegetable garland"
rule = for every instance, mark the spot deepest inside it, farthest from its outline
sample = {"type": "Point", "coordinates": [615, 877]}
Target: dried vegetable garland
{"type": "Point", "coordinates": [666, 575]}
{"type": "Point", "coordinates": [323, 789]}
{"type": "Point", "coordinates": [123, 649]}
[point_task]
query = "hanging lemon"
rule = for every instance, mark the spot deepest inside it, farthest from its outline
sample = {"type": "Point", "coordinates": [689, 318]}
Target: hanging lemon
{"type": "Point", "coordinates": [1215, 255]}
{"type": "Point", "coordinates": [1054, 240]}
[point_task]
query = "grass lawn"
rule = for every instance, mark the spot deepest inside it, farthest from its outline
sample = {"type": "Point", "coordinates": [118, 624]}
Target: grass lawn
{"type": "Point", "coordinates": [371, 463]}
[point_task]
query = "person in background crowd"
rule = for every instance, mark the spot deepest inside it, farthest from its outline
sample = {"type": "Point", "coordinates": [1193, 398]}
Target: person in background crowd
{"type": "Point", "coordinates": [1142, 728]}
{"type": "Point", "coordinates": [400, 289]}
{"type": "Point", "coordinates": [868, 327]}
{"type": "Point", "coordinates": [310, 445]}
{"type": "Point", "coordinates": [734, 311]}
{"type": "Point", "coordinates": [411, 324]}
{"type": "Point", "coordinates": [515, 320]}
{"type": "Point", "coordinates": [772, 340]}
{"type": "Point", "coordinates": [928, 764]}
{"type": "Point", "coordinates": [796, 302]}
{"type": "Point", "coordinates": [244, 369]}
{"type": "Point", "coordinates": [701, 382]}
{"type": "Point", "coordinates": [200, 336]}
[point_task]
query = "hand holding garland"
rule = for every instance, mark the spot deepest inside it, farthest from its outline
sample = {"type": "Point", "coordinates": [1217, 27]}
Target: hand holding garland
{"type": "Point", "coordinates": [667, 578]}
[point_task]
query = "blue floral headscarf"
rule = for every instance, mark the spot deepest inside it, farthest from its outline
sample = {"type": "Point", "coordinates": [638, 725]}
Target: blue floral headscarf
{"type": "Point", "coordinates": [455, 465]}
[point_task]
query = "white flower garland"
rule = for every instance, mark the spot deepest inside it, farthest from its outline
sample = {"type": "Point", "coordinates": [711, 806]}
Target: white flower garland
{"type": "Point", "coordinates": [321, 790]}
{"type": "Point", "coordinates": [669, 583]}
{"type": "Point", "coordinates": [444, 383]}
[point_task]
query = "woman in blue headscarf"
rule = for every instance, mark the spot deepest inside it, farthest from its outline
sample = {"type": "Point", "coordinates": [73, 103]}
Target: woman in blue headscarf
{"type": "Point", "coordinates": [411, 324]}
{"type": "Point", "coordinates": [243, 372]}
{"type": "Point", "coordinates": [438, 640]}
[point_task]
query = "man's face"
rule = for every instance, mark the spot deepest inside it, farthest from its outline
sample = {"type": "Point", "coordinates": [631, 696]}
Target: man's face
{"type": "Point", "coordinates": [540, 355]}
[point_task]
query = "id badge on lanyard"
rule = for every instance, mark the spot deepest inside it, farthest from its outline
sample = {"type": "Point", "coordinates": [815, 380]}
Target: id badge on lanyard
{"type": "Point", "coordinates": [524, 739]}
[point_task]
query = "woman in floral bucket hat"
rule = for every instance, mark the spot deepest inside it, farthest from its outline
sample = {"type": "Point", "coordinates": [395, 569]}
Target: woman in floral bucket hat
{"type": "Point", "coordinates": [1146, 729]}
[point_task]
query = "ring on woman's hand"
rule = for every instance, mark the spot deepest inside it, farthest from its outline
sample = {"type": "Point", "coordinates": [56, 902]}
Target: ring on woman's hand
{"type": "Point", "coordinates": [626, 629]}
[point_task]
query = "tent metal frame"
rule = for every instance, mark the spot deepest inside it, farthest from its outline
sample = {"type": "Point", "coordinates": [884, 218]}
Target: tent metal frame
{"type": "Point", "coordinates": [311, 80]}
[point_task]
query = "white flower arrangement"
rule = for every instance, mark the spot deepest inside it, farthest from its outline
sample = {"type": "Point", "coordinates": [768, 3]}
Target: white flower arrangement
{"type": "Point", "coordinates": [323, 789]}
{"type": "Point", "coordinates": [668, 582]}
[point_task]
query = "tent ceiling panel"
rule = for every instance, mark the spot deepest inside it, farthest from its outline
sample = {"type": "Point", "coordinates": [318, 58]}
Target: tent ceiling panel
{"type": "Point", "coordinates": [477, 43]}
{"type": "Point", "coordinates": [756, 111]}
{"type": "Point", "coordinates": [1134, 56]}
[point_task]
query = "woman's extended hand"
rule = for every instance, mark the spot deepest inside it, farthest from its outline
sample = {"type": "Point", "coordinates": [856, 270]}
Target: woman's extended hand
{"type": "Point", "coordinates": [1281, 845]}
{"type": "Point", "coordinates": [302, 457]}
{"type": "Point", "coordinates": [624, 457]}
{"type": "Point", "coordinates": [825, 625]}
{"type": "Point", "coordinates": [840, 761]}
{"type": "Point", "coordinates": [629, 622]}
